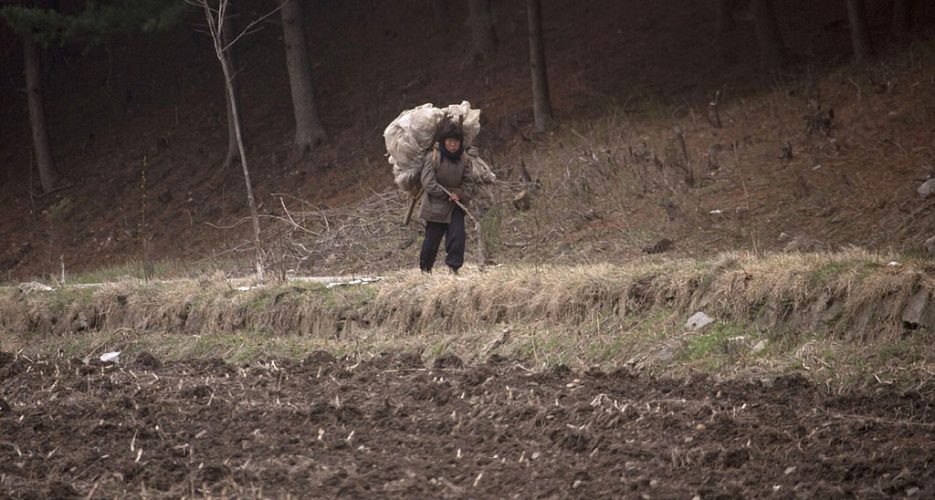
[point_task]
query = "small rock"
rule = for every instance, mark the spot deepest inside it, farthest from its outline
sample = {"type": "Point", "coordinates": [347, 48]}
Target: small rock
{"type": "Point", "coordinates": [930, 246]}
{"type": "Point", "coordinates": [789, 470]}
{"type": "Point", "coordinates": [912, 315]}
{"type": "Point", "coordinates": [927, 188]}
{"type": "Point", "coordinates": [698, 321]}
{"type": "Point", "coordinates": [911, 492]}
{"type": "Point", "coordinates": [759, 347]}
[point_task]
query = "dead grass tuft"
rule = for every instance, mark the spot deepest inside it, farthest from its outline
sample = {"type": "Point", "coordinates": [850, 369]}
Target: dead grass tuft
{"type": "Point", "coordinates": [853, 294]}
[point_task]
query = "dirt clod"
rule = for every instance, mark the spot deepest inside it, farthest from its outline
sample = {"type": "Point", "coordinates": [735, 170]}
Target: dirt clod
{"type": "Point", "coordinates": [6, 358]}
{"type": "Point", "coordinates": [448, 361]}
{"type": "Point", "coordinates": [319, 358]}
{"type": "Point", "coordinates": [147, 360]}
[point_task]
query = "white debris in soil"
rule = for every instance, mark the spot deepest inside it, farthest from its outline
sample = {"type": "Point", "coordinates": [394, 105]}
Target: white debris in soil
{"type": "Point", "coordinates": [34, 286]}
{"type": "Point", "coordinates": [353, 282]}
{"type": "Point", "coordinates": [110, 357]}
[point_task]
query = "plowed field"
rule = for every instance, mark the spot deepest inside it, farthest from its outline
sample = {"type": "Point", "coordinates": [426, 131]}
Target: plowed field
{"type": "Point", "coordinates": [391, 427]}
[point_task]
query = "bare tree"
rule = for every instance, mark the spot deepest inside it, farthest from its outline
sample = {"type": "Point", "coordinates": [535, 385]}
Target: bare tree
{"type": "Point", "coordinates": [860, 29]}
{"type": "Point", "coordinates": [542, 104]}
{"type": "Point", "coordinates": [309, 131]}
{"type": "Point", "coordinates": [222, 42]}
{"type": "Point", "coordinates": [483, 33]}
{"type": "Point", "coordinates": [40, 133]}
{"type": "Point", "coordinates": [772, 48]}
{"type": "Point", "coordinates": [233, 151]}
{"type": "Point", "coordinates": [902, 16]}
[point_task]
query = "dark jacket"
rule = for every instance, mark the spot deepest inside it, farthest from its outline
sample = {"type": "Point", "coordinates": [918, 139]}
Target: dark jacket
{"type": "Point", "coordinates": [454, 175]}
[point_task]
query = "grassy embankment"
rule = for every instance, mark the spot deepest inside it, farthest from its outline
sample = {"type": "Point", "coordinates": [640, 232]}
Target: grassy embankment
{"type": "Point", "coordinates": [843, 318]}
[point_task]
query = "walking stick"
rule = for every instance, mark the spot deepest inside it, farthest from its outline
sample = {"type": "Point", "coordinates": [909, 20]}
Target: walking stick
{"type": "Point", "coordinates": [477, 228]}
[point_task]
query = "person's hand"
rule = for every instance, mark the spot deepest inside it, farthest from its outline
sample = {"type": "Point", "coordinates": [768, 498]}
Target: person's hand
{"type": "Point", "coordinates": [454, 197]}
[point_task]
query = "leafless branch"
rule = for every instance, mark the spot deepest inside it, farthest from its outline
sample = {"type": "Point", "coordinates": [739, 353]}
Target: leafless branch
{"type": "Point", "coordinates": [250, 26]}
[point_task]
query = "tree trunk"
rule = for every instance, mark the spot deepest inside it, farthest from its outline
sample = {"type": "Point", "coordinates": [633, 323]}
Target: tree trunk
{"type": "Point", "coordinates": [484, 35]}
{"type": "Point", "coordinates": [309, 131]}
{"type": "Point", "coordinates": [772, 48]}
{"type": "Point", "coordinates": [440, 10]}
{"type": "Point", "coordinates": [902, 16]}
{"type": "Point", "coordinates": [218, 37]}
{"type": "Point", "coordinates": [725, 18]}
{"type": "Point", "coordinates": [227, 32]}
{"type": "Point", "coordinates": [860, 29]}
{"type": "Point", "coordinates": [40, 133]}
{"type": "Point", "coordinates": [542, 104]}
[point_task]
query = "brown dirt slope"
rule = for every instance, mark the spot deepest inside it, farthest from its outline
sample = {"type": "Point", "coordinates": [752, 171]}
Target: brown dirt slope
{"type": "Point", "coordinates": [623, 74]}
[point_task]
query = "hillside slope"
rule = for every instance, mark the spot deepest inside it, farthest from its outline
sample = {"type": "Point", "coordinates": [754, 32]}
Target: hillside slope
{"type": "Point", "coordinates": [613, 176]}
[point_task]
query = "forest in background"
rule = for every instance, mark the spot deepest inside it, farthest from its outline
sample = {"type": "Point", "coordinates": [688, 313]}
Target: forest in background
{"type": "Point", "coordinates": [141, 154]}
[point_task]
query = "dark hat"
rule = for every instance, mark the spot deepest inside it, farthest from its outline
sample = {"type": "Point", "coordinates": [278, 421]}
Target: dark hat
{"type": "Point", "coordinates": [448, 129]}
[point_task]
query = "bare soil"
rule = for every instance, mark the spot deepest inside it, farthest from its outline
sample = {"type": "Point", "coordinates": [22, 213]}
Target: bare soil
{"type": "Point", "coordinates": [391, 427]}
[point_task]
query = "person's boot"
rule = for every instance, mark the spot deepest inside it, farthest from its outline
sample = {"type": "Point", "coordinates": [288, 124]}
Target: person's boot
{"type": "Point", "coordinates": [454, 270]}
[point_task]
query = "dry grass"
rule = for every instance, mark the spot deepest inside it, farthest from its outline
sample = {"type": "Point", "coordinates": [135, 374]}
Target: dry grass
{"type": "Point", "coordinates": [780, 290]}
{"type": "Point", "coordinates": [854, 295]}
{"type": "Point", "coordinates": [836, 316]}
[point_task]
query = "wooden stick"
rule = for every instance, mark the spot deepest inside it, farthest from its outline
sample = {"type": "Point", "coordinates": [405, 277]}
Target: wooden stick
{"type": "Point", "coordinates": [412, 207]}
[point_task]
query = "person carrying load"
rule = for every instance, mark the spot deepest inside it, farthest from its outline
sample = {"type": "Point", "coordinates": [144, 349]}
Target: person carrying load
{"type": "Point", "coordinates": [447, 186]}
{"type": "Point", "coordinates": [433, 160]}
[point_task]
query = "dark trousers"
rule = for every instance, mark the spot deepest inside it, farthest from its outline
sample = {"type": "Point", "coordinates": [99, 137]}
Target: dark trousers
{"type": "Point", "coordinates": [454, 242]}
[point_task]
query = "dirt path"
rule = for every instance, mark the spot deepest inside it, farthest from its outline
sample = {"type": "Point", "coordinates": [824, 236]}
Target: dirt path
{"type": "Point", "coordinates": [246, 283]}
{"type": "Point", "coordinates": [388, 427]}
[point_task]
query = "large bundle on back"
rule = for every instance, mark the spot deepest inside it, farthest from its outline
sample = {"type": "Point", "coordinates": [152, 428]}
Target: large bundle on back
{"type": "Point", "coordinates": [412, 134]}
